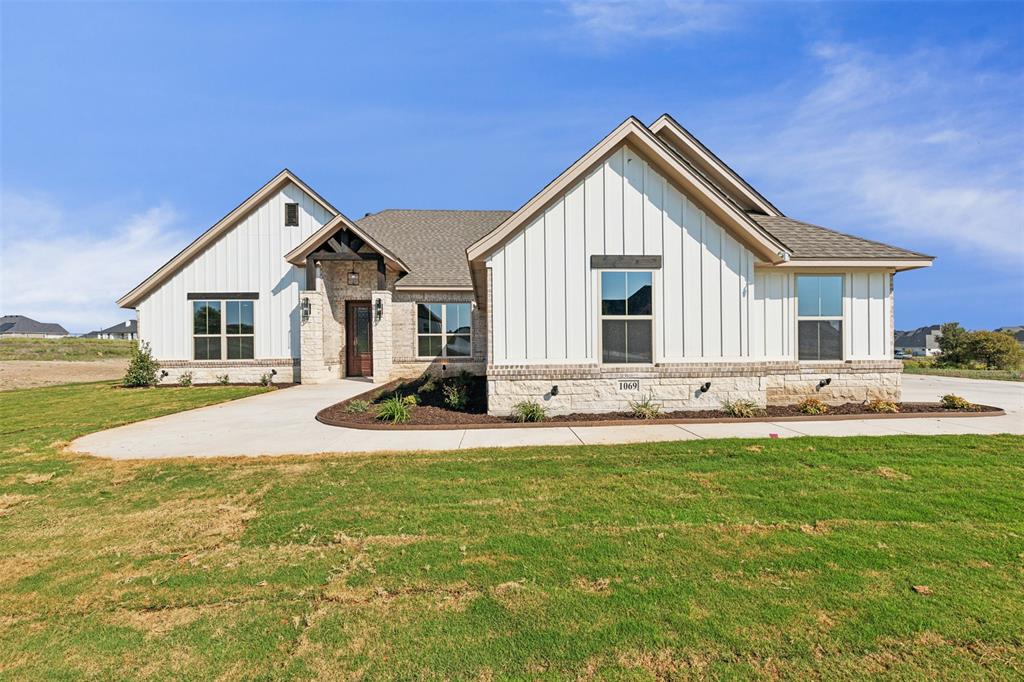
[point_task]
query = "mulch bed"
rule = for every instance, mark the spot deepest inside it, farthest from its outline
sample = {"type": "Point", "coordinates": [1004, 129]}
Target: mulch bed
{"type": "Point", "coordinates": [432, 413]}
{"type": "Point", "coordinates": [276, 384]}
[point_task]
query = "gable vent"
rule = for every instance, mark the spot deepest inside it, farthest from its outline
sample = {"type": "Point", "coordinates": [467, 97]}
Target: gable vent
{"type": "Point", "coordinates": [291, 215]}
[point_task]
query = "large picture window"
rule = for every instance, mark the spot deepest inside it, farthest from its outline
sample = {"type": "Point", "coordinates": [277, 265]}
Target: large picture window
{"type": "Point", "coordinates": [820, 317]}
{"type": "Point", "coordinates": [443, 330]}
{"type": "Point", "coordinates": [223, 330]}
{"type": "Point", "coordinates": [627, 317]}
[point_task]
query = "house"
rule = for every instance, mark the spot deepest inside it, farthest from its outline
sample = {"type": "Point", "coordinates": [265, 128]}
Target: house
{"type": "Point", "coordinates": [647, 268]}
{"type": "Point", "coordinates": [19, 325]}
{"type": "Point", "coordinates": [923, 341]}
{"type": "Point", "coordinates": [128, 331]}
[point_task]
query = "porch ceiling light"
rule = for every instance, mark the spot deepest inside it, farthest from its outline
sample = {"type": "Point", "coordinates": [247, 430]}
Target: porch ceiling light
{"type": "Point", "coordinates": [353, 277]}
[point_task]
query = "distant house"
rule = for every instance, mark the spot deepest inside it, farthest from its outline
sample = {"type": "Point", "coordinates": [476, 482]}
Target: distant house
{"type": "Point", "coordinates": [128, 331]}
{"type": "Point", "coordinates": [1017, 332]}
{"type": "Point", "coordinates": [19, 325]}
{"type": "Point", "coordinates": [921, 341]}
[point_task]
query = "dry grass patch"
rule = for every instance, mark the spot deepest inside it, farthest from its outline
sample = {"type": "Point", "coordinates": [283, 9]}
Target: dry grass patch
{"type": "Point", "coordinates": [8, 501]}
{"type": "Point", "coordinates": [601, 586]}
{"type": "Point", "coordinates": [892, 474]}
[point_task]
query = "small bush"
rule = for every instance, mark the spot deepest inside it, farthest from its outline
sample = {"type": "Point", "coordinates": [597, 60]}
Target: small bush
{"type": "Point", "coordinates": [955, 402]}
{"type": "Point", "coordinates": [812, 406]}
{"type": "Point", "coordinates": [223, 379]}
{"type": "Point", "coordinates": [645, 409]}
{"type": "Point", "coordinates": [142, 368]}
{"type": "Point", "coordinates": [266, 379]}
{"type": "Point", "coordinates": [456, 395]}
{"type": "Point", "coordinates": [529, 411]}
{"type": "Point", "coordinates": [428, 386]}
{"type": "Point", "coordinates": [358, 406]}
{"type": "Point", "coordinates": [185, 379]}
{"type": "Point", "coordinates": [883, 406]}
{"type": "Point", "coordinates": [395, 409]}
{"type": "Point", "coordinates": [411, 400]}
{"type": "Point", "coordinates": [745, 409]}
{"type": "Point", "coordinates": [464, 377]}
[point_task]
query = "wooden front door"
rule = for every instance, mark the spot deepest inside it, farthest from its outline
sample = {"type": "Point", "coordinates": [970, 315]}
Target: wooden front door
{"type": "Point", "coordinates": [358, 339]}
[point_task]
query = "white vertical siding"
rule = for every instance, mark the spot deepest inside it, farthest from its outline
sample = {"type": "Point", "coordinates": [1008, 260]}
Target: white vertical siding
{"type": "Point", "coordinates": [710, 301]}
{"type": "Point", "coordinates": [248, 258]}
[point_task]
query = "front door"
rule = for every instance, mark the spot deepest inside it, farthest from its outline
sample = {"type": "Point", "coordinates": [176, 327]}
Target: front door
{"type": "Point", "coordinates": [358, 339]}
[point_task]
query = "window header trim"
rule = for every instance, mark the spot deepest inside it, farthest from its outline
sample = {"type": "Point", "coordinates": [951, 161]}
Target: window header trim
{"type": "Point", "coordinates": [625, 262]}
{"type": "Point", "coordinates": [227, 296]}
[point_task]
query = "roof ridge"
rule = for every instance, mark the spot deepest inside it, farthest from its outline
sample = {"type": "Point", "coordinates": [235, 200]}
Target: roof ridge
{"type": "Point", "coordinates": [441, 210]}
{"type": "Point", "coordinates": [845, 234]}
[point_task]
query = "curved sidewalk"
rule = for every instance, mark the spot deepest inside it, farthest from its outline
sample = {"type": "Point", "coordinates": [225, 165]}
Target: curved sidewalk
{"type": "Point", "coordinates": [282, 423]}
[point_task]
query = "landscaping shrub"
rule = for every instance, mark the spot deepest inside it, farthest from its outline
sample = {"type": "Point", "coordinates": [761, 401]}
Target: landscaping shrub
{"type": "Point", "coordinates": [645, 408]}
{"type": "Point", "coordinates": [529, 411]}
{"type": "Point", "coordinates": [223, 379]}
{"type": "Point", "coordinates": [812, 406]}
{"type": "Point", "coordinates": [428, 386]}
{"type": "Point", "coordinates": [741, 408]}
{"type": "Point", "coordinates": [883, 406]}
{"type": "Point", "coordinates": [358, 406]}
{"type": "Point", "coordinates": [411, 400]}
{"type": "Point", "coordinates": [266, 379]}
{"type": "Point", "coordinates": [142, 368]}
{"type": "Point", "coordinates": [396, 409]}
{"type": "Point", "coordinates": [995, 350]}
{"type": "Point", "coordinates": [951, 401]}
{"type": "Point", "coordinates": [185, 379]}
{"type": "Point", "coordinates": [456, 395]}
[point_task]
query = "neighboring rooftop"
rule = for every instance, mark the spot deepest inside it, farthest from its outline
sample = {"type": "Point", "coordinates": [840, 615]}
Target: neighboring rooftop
{"type": "Point", "coordinates": [432, 242]}
{"type": "Point", "coordinates": [129, 327]}
{"type": "Point", "coordinates": [922, 337]}
{"type": "Point", "coordinates": [20, 325]}
{"type": "Point", "coordinates": [807, 241]}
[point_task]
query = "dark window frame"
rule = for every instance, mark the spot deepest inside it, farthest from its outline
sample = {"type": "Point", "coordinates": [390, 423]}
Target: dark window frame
{"type": "Point", "coordinates": [231, 345]}
{"type": "Point", "coordinates": [806, 323]}
{"type": "Point", "coordinates": [443, 336]}
{"type": "Point", "coordinates": [291, 214]}
{"type": "Point", "coordinates": [609, 318]}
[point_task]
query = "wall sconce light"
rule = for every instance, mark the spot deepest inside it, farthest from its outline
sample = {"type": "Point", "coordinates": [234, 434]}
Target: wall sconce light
{"type": "Point", "coordinates": [378, 309]}
{"type": "Point", "coordinates": [824, 382]}
{"type": "Point", "coordinates": [306, 308]}
{"type": "Point", "coordinates": [353, 277]}
{"type": "Point", "coordinates": [705, 387]}
{"type": "Point", "coordinates": [554, 390]}
{"type": "Point", "coordinates": [444, 367]}
{"type": "Point", "coordinates": [163, 373]}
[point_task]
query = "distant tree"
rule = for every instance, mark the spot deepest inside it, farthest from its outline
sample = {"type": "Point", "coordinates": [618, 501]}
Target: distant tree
{"type": "Point", "coordinates": [952, 343]}
{"type": "Point", "coordinates": [996, 350]}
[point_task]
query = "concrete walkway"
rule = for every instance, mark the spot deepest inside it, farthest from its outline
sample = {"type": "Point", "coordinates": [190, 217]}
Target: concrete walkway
{"type": "Point", "coordinates": [282, 422]}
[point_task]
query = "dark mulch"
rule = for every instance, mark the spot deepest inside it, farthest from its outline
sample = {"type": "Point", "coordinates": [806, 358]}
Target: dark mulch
{"type": "Point", "coordinates": [433, 412]}
{"type": "Point", "coordinates": [276, 384]}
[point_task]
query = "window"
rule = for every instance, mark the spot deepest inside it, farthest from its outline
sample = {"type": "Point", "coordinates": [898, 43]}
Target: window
{"type": "Point", "coordinates": [820, 317]}
{"type": "Point", "coordinates": [626, 317]}
{"type": "Point", "coordinates": [223, 329]}
{"type": "Point", "coordinates": [291, 215]}
{"type": "Point", "coordinates": [443, 330]}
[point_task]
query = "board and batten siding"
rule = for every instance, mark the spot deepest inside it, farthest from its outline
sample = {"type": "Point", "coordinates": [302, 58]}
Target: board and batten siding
{"type": "Point", "coordinates": [247, 258]}
{"type": "Point", "coordinates": [711, 303]}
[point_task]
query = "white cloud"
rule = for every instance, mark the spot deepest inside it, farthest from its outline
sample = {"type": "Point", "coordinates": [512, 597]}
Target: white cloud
{"type": "Point", "coordinates": [920, 149]}
{"type": "Point", "coordinates": [57, 269]}
{"type": "Point", "coordinates": [608, 22]}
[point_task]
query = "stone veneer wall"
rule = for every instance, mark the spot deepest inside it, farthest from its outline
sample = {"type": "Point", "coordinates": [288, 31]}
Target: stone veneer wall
{"type": "Point", "coordinates": [593, 388]}
{"type": "Point", "coordinates": [238, 371]}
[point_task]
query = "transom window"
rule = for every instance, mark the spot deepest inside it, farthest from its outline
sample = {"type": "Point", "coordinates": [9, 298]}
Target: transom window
{"type": "Point", "coordinates": [627, 317]}
{"type": "Point", "coordinates": [820, 317]}
{"type": "Point", "coordinates": [443, 330]}
{"type": "Point", "coordinates": [223, 329]}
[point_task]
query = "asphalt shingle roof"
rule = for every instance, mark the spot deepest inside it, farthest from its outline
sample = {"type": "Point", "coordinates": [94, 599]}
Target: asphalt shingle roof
{"type": "Point", "coordinates": [813, 241]}
{"type": "Point", "coordinates": [19, 324]}
{"type": "Point", "coordinates": [432, 243]}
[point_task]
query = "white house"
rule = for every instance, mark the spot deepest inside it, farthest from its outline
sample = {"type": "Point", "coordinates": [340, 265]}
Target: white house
{"type": "Point", "coordinates": [648, 267]}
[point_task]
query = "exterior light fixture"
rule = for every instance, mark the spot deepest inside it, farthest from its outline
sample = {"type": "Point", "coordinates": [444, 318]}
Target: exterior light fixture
{"type": "Point", "coordinates": [705, 387]}
{"type": "Point", "coordinates": [378, 309]}
{"type": "Point", "coordinates": [306, 308]}
{"type": "Point", "coordinates": [163, 373]}
{"type": "Point", "coordinates": [824, 382]}
{"type": "Point", "coordinates": [353, 277]}
{"type": "Point", "coordinates": [554, 390]}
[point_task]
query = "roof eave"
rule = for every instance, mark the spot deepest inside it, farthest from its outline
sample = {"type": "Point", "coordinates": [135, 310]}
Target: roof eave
{"type": "Point", "coordinates": [297, 256]}
{"type": "Point", "coordinates": [897, 264]}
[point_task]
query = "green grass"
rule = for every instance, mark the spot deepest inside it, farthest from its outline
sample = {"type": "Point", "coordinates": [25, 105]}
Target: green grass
{"type": "Point", "coordinates": [929, 367]}
{"type": "Point", "coordinates": [746, 559]}
{"type": "Point", "coordinates": [68, 348]}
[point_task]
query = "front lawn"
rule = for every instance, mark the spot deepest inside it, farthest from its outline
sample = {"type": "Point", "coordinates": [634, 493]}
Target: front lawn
{"type": "Point", "coordinates": [67, 348]}
{"type": "Point", "coordinates": [847, 557]}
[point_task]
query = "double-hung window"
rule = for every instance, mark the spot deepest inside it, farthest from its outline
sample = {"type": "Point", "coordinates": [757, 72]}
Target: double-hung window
{"type": "Point", "coordinates": [820, 317]}
{"type": "Point", "coordinates": [627, 317]}
{"type": "Point", "coordinates": [223, 330]}
{"type": "Point", "coordinates": [443, 330]}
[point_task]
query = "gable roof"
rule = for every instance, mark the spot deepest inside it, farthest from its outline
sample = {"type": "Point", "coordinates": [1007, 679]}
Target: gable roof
{"type": "Point", "coordinates": [693, 151]}
{"type": "Point", "coordinates": [297, 256]}
{"type": "Point", "coordinates": [813, 242]}
{"type": "Point", "coordinates": [127, 327]}
{"type": "Point", "coordinates": [19, 324]}
{"type": "Point", "coordinates": [432, 242]}
{"type": "Point", "coordinates": [182, 258]}
{"type": "Point", "coordinates": [637, 135]}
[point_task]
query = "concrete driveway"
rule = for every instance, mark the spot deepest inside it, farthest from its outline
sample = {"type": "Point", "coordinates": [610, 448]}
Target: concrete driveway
{"type": "Point", "coordinates": [282, 422]}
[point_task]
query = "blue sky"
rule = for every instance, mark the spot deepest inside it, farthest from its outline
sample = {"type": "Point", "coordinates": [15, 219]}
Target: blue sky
{"type": "Point", "coordinates": [128, 129]}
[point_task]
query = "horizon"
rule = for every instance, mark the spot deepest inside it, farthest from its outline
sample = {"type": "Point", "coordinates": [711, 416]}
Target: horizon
{"type": "Point", "coordinates": [129, 130]}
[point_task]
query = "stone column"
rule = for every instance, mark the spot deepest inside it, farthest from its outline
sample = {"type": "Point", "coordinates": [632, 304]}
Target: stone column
{"type": "Point", "coordinates": [313, 369]}
{"type": "Point", "coordinates": [382, 336]}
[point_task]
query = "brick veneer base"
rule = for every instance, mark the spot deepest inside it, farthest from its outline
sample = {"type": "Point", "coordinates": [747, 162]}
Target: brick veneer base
{"type": "Point", "coordinates": [594, 388]}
